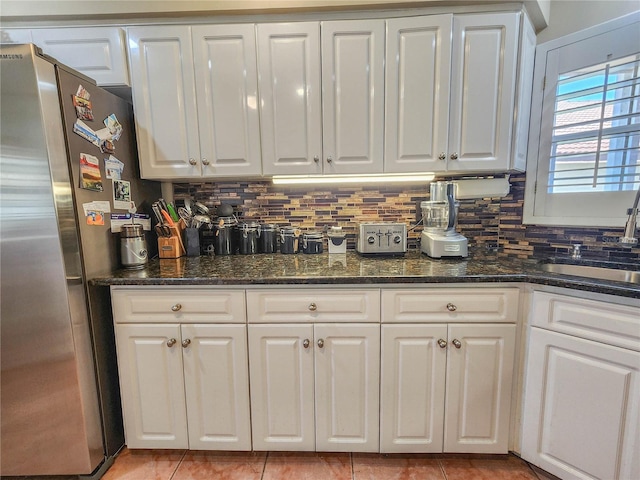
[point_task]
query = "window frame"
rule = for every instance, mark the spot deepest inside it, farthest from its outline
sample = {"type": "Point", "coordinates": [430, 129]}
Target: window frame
{"type": "Point", "coordinates": [619, 201]}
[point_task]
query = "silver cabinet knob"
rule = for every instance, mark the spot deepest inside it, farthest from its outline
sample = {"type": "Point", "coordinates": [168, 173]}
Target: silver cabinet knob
{"type": "Point", "coordinates": [321, 343]}
{"type": "Point", "coordinates": [453, 156]}
{"type": "Point", "coordinates": [329, 159]}
{"type": "Point", "coordinates": [316, 159]}
{"type": "Point", "coordinates": [442, 343]}
{"type": "Point", "coordinates": [451, 307]}
{"type": "Point", "coordinates": [456, 343]}
{"type": "Point", "coordinates": [205, 161]}
{"type": "Point", "coordinates": [313, 307]}
{"type": "Point", "coordinates": [442, 156]}
{"type": "Point", "coordinates": [186, 342]}
{"type": "Point", "coordinates": [176, 308]}
{"type": "Point", "coordinates": [306, 343]}
{"type": "Point", "coordinates": [193, 161]}
{"type": "Point", "coordinates": [171, 342]}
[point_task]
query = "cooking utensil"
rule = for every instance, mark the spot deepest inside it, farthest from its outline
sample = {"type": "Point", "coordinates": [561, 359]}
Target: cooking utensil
{"type": "Point", "coordinates": [172, 212]}
{"type": "Point", "coordinates": [200, 208]}
{"type": "Point", "coordinates": [225, 210]}
{"type": "Point", "coordinates": [186, 217]}
{"type": "Point", "coordinates": [168, 218]}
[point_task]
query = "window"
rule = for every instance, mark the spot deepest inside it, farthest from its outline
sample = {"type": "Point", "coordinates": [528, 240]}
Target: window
{"type": "Point", "coordinates": [585, 168]}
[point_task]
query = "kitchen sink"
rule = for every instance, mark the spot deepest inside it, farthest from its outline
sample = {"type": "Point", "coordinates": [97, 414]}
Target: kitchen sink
{"type": "Point", "coordinates": [601, 273]}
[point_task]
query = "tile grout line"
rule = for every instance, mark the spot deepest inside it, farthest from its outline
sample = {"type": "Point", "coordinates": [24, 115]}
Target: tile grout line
{"type": "Point", "coordinates": [353, 476]}
{"type": "Point", "coordinates": [444, 473]}
{"type": "Point", "coordinates": [184, 454]}
{"type": "Point", "coordinates": [264, 465]}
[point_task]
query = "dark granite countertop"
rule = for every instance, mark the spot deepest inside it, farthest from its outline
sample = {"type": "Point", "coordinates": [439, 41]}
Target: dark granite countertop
{"type": "Point", "coordinates": [352, 268]}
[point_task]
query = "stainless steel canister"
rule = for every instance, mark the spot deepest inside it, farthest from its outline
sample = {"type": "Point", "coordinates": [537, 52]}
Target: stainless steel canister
{"type": "Point", "coordinates": [312, 242]}
{"type": "Point", "coordinates": [133, 246]}
{"type": "Point", "coordinates": [248, 234]}
{"type": "Point", "coordinates": [289, 240]}
{"type": "Point", "coordinates": [268, 238]}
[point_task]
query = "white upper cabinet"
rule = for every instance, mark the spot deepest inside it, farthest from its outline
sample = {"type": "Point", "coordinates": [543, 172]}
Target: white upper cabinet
{"type": "Point", "coordinates": [290, 97]}
{"type": "Point", "coordinates": [97, 52]}
{"type": "Point", "coordinates": [483, 86]}
{"type": "Point", "coordinates": [195, 99]}
{"type": "Point", "coordinates": [329, 123]}
{"type": "Point", "coordinates": [353, 96]}
{"type": "Point", "coordinates": [227, 95]}
{"type": "Point", "coordinates": [164, 101]}
{"type": "Point", "coordinates": [457, 87]}
{"type": "Point", "coordinates": [417, 92]}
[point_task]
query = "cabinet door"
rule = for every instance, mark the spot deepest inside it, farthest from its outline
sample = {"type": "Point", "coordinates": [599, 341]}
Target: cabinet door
{"type": "Point", "coordinates": [483, 82]}
{"type": "Point", "coordinates": [478, 388]}
{"type": "Point", "coordinates": [353, 96]}
{"type": "Point", "coordinates": [216, 377]}
{"type": "Point", "coordinates": [151, 385]}
{"type": "Point", "coordinates": [227, 91]}
{"type": "Point", "coordinates": [164, 101]}
{"type": "Point", "coordinates": [281, 373]}
{"type": "Point", "coordinates": [581, 412]}
{"type": "Point", "coordinates": [290, 105]}
{"type": "Point", "coordinates": [412, 388]}
{"type": "Point", "coordinates": [418, 70]}
{"type": "Point", "coordinates": [98, 52]}
{"type": "Point", "coordinates": [347, 369]}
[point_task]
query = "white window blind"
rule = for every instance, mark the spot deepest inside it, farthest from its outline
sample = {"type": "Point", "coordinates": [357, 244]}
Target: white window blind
{"type": "Point", "coordinates": [595, 141]}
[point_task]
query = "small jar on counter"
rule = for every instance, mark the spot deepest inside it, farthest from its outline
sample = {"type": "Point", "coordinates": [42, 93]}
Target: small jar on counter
{"type": "Point", "coordinates": [312, 242]}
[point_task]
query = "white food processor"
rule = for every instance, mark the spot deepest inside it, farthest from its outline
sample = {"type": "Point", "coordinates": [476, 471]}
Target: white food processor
{"type": "Point", "coordinates": [440, 214]}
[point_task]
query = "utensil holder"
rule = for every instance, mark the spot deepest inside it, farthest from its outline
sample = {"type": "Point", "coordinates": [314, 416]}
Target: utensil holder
{"type": "Point", "coordinates": [192, 242]}
{"type": "Point", "coordinates": [172, 247]}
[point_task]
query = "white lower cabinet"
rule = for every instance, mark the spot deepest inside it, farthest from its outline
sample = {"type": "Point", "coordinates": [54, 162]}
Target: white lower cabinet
{"type": "Point", "coordinates": [581, 413]}
{"type": "Point", "coordinates": [315, 386]}
{"type": "Point", "coordinates": [183, 385]}
{"type": "Point", "coordinates": [446, 387]}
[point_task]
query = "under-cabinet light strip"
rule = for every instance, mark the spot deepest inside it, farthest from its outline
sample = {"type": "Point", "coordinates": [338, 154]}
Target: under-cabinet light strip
{"type": "Point", "coordinates": [372, 178]}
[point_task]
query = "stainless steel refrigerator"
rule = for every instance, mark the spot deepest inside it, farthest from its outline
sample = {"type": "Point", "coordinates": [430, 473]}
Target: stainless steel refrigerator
{"type": "Point", "coordinates": [60, 405]}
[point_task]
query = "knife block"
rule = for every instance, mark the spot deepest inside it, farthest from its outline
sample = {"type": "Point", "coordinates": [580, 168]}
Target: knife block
{"type": "Point", "coordinates": [172, 247]}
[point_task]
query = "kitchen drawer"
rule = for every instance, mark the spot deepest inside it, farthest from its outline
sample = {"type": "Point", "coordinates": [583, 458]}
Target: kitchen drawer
{"type": "Point", "coordinates": [450, 305]}
{"type": "Point", "coordinates": [157, 305]}
{"type": "Point", "coordinates": [605, 322]}
{"type": "Point", "coordinates": [313, 305]}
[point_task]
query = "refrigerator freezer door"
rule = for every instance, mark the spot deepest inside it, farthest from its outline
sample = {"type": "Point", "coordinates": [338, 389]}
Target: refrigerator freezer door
{"type": "Point", "coordinates": [49, 405]}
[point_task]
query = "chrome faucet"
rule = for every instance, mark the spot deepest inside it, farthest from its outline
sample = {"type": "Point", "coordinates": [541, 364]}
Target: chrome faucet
{"type": "Point", "coordinates": [629, 237]}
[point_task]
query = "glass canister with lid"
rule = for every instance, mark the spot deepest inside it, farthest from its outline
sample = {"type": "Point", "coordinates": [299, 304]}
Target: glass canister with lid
{"type": "Point", "coordinates": [268, 238]}
{"type": "Point", "coordinates": [312, 242]}
{"type": "Point", "coordinates": [248, 234]}
{"type": "Point", "coordinates": [289, 240]}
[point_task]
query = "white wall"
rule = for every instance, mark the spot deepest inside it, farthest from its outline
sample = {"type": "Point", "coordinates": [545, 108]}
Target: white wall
{"type": "Point", "coordinates": [568, 16]}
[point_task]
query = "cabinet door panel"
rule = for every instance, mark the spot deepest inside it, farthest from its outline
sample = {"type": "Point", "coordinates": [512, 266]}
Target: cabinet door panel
{"type": "Point", "coordinates": [579, 389]}
{"type": "Point", "coordinates": [347, 369]}
{"type": "Point", "coordinates": [417, 93]}
{"type": "Point", "coordinates": [164, 100]}
{"type": "Point", "coordinates": [98, 52]}
{"type": "Point", "coordinates": [478, 386]}
{"type": "Point", "coordinates": [281, 372]}
{"type": "Point", "coordinates": [151, 384]}
{"type": "Point", "coordinates": [353, 95]}
{"type": "Point", "coordinates": [290, 115]}
{"type": "Point", "coordinates": [483, 82]}
{"type": "Point", "coordinates": [412, 389]}
{"type": "Point", "coordinates": [227, 88]}
{"type": "Point", "coordinates": [216, 378]}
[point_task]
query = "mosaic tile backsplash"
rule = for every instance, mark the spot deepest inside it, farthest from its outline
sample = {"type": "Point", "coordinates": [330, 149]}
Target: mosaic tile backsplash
{"type": "Point", "coordinates": [492, 223]}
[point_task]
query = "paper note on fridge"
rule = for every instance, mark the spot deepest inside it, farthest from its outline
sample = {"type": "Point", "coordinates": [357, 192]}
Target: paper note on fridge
{"type": "Point", "coordinates": [86, 132]}
{"type": "Point", "coordinates": [90, 178]}
{"type": "Point", "coordinates": [113, 167]}
{"type": "Point", "coordinates": [103, 206]}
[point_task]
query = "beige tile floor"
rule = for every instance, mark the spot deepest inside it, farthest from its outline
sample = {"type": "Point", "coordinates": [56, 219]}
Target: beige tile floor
{"type": "Point", "coordinates": [196, 465]}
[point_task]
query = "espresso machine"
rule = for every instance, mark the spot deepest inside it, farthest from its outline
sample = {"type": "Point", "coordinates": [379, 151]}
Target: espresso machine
{"type": "Point", "coordinates": [440, 214]}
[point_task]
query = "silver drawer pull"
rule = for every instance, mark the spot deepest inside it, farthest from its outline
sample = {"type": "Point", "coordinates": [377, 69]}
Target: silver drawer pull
{"type": "Point", "coordinates": [171, 342]}
{"type": "Point", "coordinates": [442, 343]}
{"type": "Point", "coordinates": [320, 343]}
{"type": "Point", "coordinates": [456, 343]}
{"type": "Point", "coordinates": [313, 307]}
{"type": "Point", "coordinates": [176, 308]}
{"type": "Point", "coordinates": [451, 307]}
{"type": "Point", "coordinates": [306, 343]}
{"type": "Point", "coordinates": [185, 343]}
